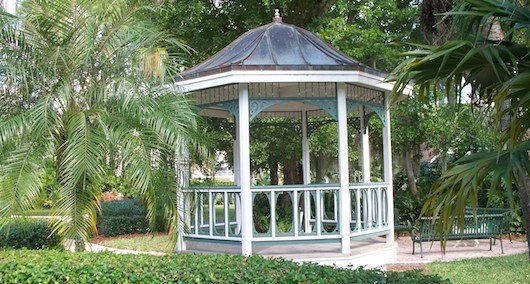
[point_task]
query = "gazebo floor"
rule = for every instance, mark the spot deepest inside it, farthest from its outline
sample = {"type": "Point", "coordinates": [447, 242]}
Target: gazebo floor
{"type": "Point", "coordinates": [373, 252]}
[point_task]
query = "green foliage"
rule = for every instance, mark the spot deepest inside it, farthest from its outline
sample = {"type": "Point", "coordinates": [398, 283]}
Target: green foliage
{"type": "Point", "coordinates": [502, 270]}
{"type": "Point", "coordinates": [30, 234]}
{"type": "Point", "coordinates": [53, 266]}
{"type": "Point", "coordinates": [127, 216]}
{"type": "Point", "coordinates": [98, 77]}
{"type": "Point", "coordinates": [497, 70]}
{"type": "Point", "coordinates": [365, 29]}
{"type": "Point", "coordinates": [50, 188]}
{"type": "Point", "coordinates": [517, 225]}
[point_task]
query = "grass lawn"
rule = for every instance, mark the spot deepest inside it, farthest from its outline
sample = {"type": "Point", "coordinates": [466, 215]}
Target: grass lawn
{"type": "Point", "coordinates": [139, 242]}
{"type": "Point", "coordinates": [511, 269]}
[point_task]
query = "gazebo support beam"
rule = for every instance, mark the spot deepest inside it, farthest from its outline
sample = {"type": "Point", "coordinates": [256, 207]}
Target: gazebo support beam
{"type": "Point", "coordinates": [365, 146]}
{"type": "Point", "coordinates": [344, 191]}
{"type": "Point", "coordinates": [387, 162]}
{"type": "Point", "coordinates": [306, 173]}
{"type": "Point", "coordinates": [244, 169]}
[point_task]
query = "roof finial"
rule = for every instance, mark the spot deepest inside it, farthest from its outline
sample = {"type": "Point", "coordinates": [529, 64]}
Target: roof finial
{"type": "Point", "coordinates": [277, 18]}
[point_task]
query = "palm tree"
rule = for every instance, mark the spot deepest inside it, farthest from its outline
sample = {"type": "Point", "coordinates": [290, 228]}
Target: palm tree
{"type": "Point", "coordinates": [93, 78]}
{"type": "Point", "coordinates": [497, 67]}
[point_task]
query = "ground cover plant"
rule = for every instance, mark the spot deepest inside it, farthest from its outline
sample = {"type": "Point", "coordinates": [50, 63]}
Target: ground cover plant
{"type": "Point", "coordinates": [508, 269]}
{"type": "Point", "coordinates": [23, 266]}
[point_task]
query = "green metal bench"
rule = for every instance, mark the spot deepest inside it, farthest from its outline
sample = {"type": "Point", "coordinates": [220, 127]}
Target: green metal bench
{"type": "Point", "coordinates": [505, 225]}
{"type": "Point", "coordinates": [485, 226]}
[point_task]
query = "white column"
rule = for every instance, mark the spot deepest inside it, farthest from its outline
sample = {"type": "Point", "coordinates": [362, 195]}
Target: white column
{"type": "Point", "coordinates": [183, 180]}
{"type": "Point", "coordinates": [244, 170]}
{"type": "Point", "coordinates": [365, 147]}
{"type": "Point", "coordinates": [387, 162]}
{"type": "Point", "coordinates": [344, 192]}
{"type": "Point", "coordinates": [305, 150]}
{"type": "Point", "coordinates": [306, 172]}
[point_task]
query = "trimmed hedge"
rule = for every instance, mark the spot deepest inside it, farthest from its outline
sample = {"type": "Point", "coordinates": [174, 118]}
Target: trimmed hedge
{"type": "Point", "coordinates": [123, 217]}
{"type": "Point", "coordinates": [30, 234]}
{"type": "Point", "coordinates": [22, 266]}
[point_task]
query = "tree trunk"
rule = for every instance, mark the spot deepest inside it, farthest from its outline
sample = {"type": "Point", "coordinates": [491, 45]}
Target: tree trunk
{"type": "Point", "coordinates": [318, 169]}
{"type": "Point", "coordinates": [411, 179]}
{"type": "Point", "coordinates": [523, 186]}
{"type": "Point", "coordinates": [273, 172]}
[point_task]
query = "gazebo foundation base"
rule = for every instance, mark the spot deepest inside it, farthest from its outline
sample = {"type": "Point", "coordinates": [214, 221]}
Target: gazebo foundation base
{"type": "Point", "coordinates": [370, 253]}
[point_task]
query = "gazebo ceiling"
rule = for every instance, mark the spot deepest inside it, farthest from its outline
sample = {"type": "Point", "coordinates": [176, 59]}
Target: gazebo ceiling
{"type": "Point", "coordinates": [276, 46]}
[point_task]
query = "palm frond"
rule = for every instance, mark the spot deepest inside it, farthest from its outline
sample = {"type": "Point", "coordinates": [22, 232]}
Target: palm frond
{"type": "Point", "coordinates": [459, 185]}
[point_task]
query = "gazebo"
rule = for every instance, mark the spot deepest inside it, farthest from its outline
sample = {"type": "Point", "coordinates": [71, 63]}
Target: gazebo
{"type": "Point", "coordinates": [280, 70]}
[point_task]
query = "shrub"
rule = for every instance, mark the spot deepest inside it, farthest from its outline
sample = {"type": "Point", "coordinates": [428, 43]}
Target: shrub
{"type": "Point", "coordinates": [55, 266]}
{"type": "Point", "coordinates": [124, 217]}
{"type": "Point", "coordinates": [30, 234]}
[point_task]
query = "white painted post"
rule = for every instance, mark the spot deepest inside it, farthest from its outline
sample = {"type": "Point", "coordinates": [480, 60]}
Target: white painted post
{"type": "Point", "coordinates": [306, 173]}
{"type": "Point", "coordinates": [183, 212]}
{"type": "Point", "coordinates": [387, 162]}
{"type": "Point", "coordinates": [344, 192]}
{"type": "Point", "coordinates": [305, 150]}
{"type": "Point", "coordinates": [244, 169]}
{"type": "Point", "coordinates": [365, 147]}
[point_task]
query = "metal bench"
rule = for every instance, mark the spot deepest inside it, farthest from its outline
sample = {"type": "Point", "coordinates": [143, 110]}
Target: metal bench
{"type": "Point", "coordinates": [484, 226]}
{"type": "Point", "coordinates": [505, 225]}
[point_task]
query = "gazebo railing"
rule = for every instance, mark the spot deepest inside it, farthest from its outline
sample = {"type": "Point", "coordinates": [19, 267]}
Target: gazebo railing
{"type": "Point", "coordinates": [213, 213]}
{"type": "Point", "coordinates": [369, 207]}
{"type": "Point", "coordinates": [286, 213]}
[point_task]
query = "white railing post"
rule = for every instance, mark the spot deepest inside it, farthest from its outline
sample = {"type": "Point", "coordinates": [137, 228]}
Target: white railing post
{"type": "Point", "coordinates": [295, 213]}
{"type": "Point", "coordinates": [358, 193]}
{"type": "Point", "coordinates": [211, 213]}
{"type": "Point", "coordinates": [379, 208]}
{"type": "Point", "coordinates": [272, 202]}
{"type": "Point", "coordinates": [244, 169]}
{"type": "Point", "coordinates": [226, 207]}
{"type": "Point", "coordinates": [387, 162]}
{"type": "Point", "coordinates": [344, 191]}
{"type": "Point", "coordinates": [197, 212]}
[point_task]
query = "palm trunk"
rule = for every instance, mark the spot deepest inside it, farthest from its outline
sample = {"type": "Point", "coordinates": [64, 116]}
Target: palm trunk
{"type": "Point", "coordinates": [411, 179]}
{"type": "Point", "coordinates": [79, 245]}
{"type": "Point", "coordinates": [522, 179]}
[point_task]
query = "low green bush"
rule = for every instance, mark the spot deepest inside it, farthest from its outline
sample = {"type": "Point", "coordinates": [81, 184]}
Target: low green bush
{"type": "Point", "coordinates": [124, 217]}
{"type": "Point", "coordinates": [30, 234]}
{"type": "Point", "coordinates": [21, 266]}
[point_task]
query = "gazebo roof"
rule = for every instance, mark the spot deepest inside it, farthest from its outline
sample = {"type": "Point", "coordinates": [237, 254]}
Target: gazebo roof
{"type": "Point", "coordinates": [276, 46]}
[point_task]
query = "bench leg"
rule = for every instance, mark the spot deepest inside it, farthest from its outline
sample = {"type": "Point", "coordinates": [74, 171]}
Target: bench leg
{"type": "Point", "coordinates": [502, 248]}
{"type": "Point", "coordinates": [510, 237]}
{"type": "Point", "coordinates": [421, 250]}
{"type": "Point", "coordinates": [494, 240]}
{"type": "Point", "coordinates": [491, 241]}
{"type": "Point", "coordinates": [413, 246]}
